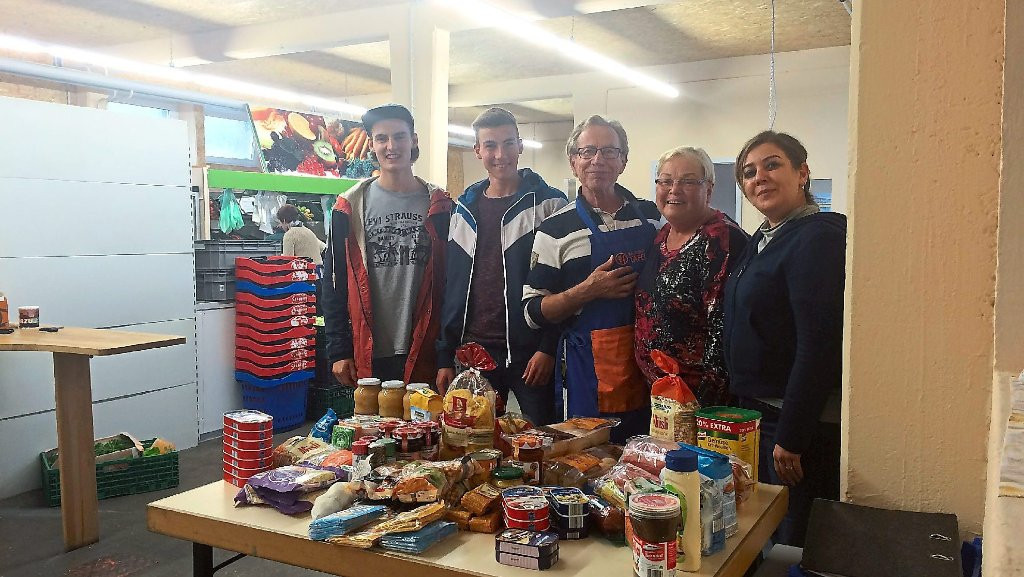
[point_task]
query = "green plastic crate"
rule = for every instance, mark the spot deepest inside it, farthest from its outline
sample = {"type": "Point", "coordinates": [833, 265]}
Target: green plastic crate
{"type": "Point", "coordinates": [117, 478]}
{"type": "Point", "coordinates": [337, 397]}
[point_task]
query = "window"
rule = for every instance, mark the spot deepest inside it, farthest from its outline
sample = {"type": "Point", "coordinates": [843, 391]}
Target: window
{"type": "Point", "coordinates": [229, 137]}
{"type": "Point", "coordinates": [139, 110]}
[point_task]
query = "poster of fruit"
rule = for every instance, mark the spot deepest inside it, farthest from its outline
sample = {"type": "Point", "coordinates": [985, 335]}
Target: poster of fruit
{"type": "Point", "coordinates": [304, 143]}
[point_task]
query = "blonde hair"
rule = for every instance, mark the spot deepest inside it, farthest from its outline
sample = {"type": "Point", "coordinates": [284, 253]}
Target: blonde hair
{"type": "Point", "coordinates": [693, 153]}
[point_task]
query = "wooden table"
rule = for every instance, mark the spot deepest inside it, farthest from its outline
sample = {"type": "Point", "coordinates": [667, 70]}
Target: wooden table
{"type": "Point", "coordinates": [72, 348]}
{"type": "Point", "coordinates": [205, 516]}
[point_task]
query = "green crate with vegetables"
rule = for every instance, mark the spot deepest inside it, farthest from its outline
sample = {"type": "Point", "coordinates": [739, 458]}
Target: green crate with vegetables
{"type": "Point", "coordinates": [124, 466]}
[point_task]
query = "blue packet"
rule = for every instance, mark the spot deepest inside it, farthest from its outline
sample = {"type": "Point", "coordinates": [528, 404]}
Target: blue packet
{"type": "Point", "coordinates": [345, 521]}
{"type": "Point", "coordinates": [325, 426]}
{"type": "Point", "coordinates": [416, 542]}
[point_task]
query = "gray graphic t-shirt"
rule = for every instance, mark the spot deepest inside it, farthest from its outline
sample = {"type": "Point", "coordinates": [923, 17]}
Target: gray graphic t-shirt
{"type": "Point", "coordinates": [397, 250]}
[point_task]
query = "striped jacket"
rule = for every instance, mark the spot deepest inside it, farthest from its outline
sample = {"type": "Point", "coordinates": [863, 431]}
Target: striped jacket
{"type": "Point", "coordinates": [534, 202]}
{"type": "Point", "coordinates": [561, 251]}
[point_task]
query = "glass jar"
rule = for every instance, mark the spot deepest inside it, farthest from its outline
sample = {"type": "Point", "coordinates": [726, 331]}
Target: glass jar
{"type": "Point", "coordinates": [389, 399]}
{"type": "Point", "coordinates": [505, 477]}
{"type": "Point", "coordinates": [365, 396]}
{"type": "Point", "coordinates": [406, 400]}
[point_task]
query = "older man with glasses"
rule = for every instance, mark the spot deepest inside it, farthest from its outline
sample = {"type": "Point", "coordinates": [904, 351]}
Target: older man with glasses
{"type": "Point", "coordinates": [586, 258]}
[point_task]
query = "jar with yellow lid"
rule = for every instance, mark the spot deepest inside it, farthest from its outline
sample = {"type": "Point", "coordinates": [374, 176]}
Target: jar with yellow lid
{"type": "Point", "coordinates": [365, 396]}
{"type": "Point", "coordinates": [389, 399]}
{"type": "Point", "coordinates": [407, 399]}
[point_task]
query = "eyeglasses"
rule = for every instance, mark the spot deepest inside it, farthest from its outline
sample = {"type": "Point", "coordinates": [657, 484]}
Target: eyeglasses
{"type": "Point", "coordinates": [607, 152]}
{"type": "Point", "coordinates": [688, 184]}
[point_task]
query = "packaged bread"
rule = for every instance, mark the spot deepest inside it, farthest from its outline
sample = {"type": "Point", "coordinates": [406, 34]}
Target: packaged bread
{"type": "Point", "coordinates": [481, 500]}
{"type": "Point", "coordinates": [673, 404]}
{"type": "Point", "coordinates": [468, 413]}
{"type": "Point", "coordinates": [489, 523]}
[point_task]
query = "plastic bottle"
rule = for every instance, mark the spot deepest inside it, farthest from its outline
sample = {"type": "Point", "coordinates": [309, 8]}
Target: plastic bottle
{"type": "Point", "coordinates": [681, 478]}
{"type": "Point", "coordinates": [4, 312]}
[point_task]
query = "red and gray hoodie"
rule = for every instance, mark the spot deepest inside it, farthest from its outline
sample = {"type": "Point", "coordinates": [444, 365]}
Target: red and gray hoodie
{"type": "Point", "coordinates": [348, 313]}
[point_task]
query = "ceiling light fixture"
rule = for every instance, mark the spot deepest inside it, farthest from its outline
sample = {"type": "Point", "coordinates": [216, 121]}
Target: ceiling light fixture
{"type": "Point", "coordinates": [491, 16]}
{"type": "Point", "coordinates": [166, 73]}
{"type": "Point", "coordinates": [467, 131]}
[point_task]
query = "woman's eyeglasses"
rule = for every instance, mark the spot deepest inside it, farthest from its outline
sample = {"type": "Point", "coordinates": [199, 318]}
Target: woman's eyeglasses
{"type": "Point", "coordinates": [688, 184]}
{"type": "Point", "coordinates": [607, 152]}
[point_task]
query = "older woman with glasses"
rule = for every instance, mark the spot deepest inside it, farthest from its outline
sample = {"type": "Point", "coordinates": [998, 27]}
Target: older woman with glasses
{"type": "Point", "coordinates": [680, 289]}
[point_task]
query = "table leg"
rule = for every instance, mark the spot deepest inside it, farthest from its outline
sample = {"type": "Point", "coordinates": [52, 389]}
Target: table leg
{"type": "Point", "coordinates": [202, 560]}
{"type": "Point", "coordinates": [73, 392]}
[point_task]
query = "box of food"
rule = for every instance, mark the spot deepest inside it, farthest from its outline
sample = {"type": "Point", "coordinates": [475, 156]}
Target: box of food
{"type": "Point", "coordinates": [126, 473]}
{"type": "Point", "coordinates": [730, 431]}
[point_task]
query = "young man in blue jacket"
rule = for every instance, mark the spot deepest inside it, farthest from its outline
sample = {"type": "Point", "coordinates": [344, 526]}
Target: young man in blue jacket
{"type": "Point", "coordinates": [490, 242]}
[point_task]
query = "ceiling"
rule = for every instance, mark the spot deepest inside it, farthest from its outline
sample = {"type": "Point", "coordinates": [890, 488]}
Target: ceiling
{"type": "Point", "coordinates": [312, 46]}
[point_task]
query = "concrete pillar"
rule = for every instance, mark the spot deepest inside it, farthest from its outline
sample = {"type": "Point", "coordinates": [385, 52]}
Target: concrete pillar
{"type": "Point", "coordinates": [419, 80]}
{"type": "Point", "coordinates": [925, 106]}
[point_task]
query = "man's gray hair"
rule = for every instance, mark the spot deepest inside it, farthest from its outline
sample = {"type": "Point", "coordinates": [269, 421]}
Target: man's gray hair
{"type": "Point", "coordinates": [597, 120]}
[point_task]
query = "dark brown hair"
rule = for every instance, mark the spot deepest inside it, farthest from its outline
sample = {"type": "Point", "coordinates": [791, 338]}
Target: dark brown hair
{"type": "Point", "coordinates": [288, 214]}
{"type": "Point", "coordinates": [492, 118]}
{"type": "Point", "coordinates": [795, 153]}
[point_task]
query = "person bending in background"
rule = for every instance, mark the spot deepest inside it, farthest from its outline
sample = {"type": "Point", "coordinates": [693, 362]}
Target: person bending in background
{"type": "Point", "coordinates": [298, 240]}
{"type": "Point", "coordinates": [490, 242]}
{"type": "Point", "coordinates": [679, 293]}
{"type": "Point", "coordinates": [385, 262]}
{"type": "Point", "coordinates": [784, 326]}
{"type": "Point", "coordinates": [586, 257]}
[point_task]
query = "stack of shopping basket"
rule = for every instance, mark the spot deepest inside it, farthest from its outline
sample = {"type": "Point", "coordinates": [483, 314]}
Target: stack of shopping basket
{"type": "Point", "coordinates": [275, 336]}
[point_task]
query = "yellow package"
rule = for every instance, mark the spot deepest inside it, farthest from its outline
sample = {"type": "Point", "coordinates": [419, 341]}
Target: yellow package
{"type": "Point", "coordinates": [425, 405]}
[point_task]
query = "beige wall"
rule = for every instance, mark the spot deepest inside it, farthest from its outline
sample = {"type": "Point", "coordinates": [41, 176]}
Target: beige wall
{"type": "Point", "coordinates": [925, 142]}
{"type": "Point", "coordinates": [1004, 516]}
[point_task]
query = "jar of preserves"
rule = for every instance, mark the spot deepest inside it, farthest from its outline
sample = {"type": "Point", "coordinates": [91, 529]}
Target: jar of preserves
{"type": "Point", "coordinates": [365, 396]}
{"type": "Point", "coordinates": [505, 477]}
{"type": "Point", "coordinates": [407, 399]}
{"type": "Point", "coordinates": [389, 399]}
{"type": "Point", "coordinates": [654, 518]}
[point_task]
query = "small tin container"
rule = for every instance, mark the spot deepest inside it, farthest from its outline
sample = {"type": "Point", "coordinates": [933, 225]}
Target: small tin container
{"type": "Point", "coordinates": [525, 542]}
{"type": "Point", "coordinates": [249, 421]}
{"type": "Point", "coordinates": [255, 462]}
{"type": "Point", "coordinates": [568, 501]}
{"type": "Point", "coordinates": [240, 474]}
{"type": "Point", "coordinates": [535, 525]}
{"type": "Point", "coordinates": [243, 455]}
{"type": "Point", "coordinates": [524, 508]}
{"type": "Point", "coordinates": [28, 317]}
{"type": "Point", "coordinates": [233, 442]}
{"type": "Point", "coordinates": [537, 563]}
{"type": "Point", "coordinates": [250, 436]}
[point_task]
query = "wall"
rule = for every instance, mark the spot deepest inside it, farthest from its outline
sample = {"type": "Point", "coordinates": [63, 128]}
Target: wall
{"type": "Point", "coordinates": [1004, 516]}
{"type": "Point", "coordinates": [725, 102]}
{"type": "Point", "coordinates": [106, 242]}
{"type": "Point", "coordinates": [924, 154]}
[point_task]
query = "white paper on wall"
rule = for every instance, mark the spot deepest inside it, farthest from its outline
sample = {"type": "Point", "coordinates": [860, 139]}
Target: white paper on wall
{"type": "Point", "coordinates": [1011, 467]}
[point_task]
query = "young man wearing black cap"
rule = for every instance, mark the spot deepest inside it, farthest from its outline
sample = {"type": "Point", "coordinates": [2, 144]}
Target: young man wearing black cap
{"type": "Point", "coordinates": [385, 262]}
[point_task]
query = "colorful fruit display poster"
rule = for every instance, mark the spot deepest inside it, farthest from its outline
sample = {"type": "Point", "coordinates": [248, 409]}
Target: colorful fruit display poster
{"type": "Point", "coordinates": [303, 143]}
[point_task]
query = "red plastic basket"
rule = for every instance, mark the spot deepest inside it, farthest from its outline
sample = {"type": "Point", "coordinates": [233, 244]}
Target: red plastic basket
{"type": "Point", "coordinates": [271, 326]}
{"type": "Point", "coordinates": [272, 336]}
{"type": "Point", "coordinates": [275, 302]}
{"type": "Point", "coordinates": [275, 313]}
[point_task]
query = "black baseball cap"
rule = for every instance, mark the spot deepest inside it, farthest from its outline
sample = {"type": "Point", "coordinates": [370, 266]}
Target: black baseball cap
{"type": "Point", "coordinates": [387, 112]}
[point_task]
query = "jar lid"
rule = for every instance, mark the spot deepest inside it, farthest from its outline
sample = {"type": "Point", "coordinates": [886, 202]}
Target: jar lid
{"type": "Point", "coordinates": [393, 385]}
{"type": "Point", "coordinates": [681, 460]}
{"type": "Point", "coordinates": [368, 382]}
{"type": "Point", "coordinates": [507, 473]}
{"type": "Point", "coordinates": [654, 504]}
{"type": "Point", "coordinates": [416, 386]}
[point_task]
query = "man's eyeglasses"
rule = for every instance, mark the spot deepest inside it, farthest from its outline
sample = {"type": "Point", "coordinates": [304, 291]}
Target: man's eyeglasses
{"type": "Point", "coordinates": [688, 184]}
{"type": "Point", "coordinates": [607, 152]}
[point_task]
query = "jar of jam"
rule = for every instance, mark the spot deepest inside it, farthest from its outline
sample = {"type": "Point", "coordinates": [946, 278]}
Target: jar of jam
{"type": "Point", "coordinates": [406, 400]}
{"type": "Point", "coordinates": [367, 391]}
{"type": "Point", "coordinates": [387, 429]}
{"type": "Point", "coordinates": [654, 521]}
{"type": "Point", "coordinates": [410, 439]}
{"type": "Point", "coordinates": [389, 399]}
{"type": "Point", "coordinates": [505, 477]}
{"type": "Point", "coordinates": [484, 461]}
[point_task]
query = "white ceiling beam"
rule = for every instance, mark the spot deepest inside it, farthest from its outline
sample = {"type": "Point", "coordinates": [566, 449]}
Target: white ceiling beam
{"type": "Point", "coordinates": [272, 39]}
{"type": "Point", "coordinates": [518, 90]}
{"type": "Point", "coordinates": [371, 24]}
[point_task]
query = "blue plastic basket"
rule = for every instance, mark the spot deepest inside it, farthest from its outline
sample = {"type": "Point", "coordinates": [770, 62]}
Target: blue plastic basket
{"type": "Point", "coordinates": [286, 402]}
